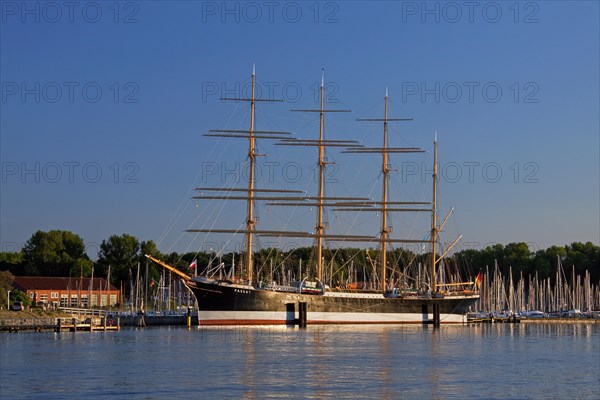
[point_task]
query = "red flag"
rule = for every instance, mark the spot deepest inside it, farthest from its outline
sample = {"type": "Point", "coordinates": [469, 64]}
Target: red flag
{"type": "Point", "coordinates": [152, 283]}
{"type": "Point", "coordinates": [193, 264]}
{"type": "Point", "coordinates": [478, 279]}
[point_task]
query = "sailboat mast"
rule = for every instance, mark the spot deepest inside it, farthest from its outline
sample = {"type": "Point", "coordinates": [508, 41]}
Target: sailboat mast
{"type": "Point", "coordinates": [385, 172]}
{"type": "Point", "coordinates": [434, 218]}
{"type": "Point", "coordinates": [320, 228]}
{"type": "Point", "coordinates": [251, 177]}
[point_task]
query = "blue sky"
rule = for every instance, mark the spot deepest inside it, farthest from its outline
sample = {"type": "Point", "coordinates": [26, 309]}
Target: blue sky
{"type": "Point", "coordinates": [103, 106]}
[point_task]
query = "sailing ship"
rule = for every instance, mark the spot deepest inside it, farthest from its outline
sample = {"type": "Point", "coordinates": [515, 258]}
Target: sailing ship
{"type": "Point", "coordinates": [231, 301]}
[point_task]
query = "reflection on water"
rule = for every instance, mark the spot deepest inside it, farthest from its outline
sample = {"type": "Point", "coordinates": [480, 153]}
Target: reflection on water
{"type": "Point", "coordinates": [482, 361]}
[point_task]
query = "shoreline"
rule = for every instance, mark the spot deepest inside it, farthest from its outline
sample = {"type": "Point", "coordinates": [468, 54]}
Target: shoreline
{"type": "Point", "coordinates": [34, 320]}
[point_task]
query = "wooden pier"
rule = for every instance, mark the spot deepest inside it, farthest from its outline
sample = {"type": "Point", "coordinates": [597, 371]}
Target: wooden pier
{"type": "Point", "coordinates": [60, 325]}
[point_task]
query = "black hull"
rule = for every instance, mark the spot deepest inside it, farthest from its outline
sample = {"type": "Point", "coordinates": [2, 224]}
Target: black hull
{"type": "Point", "coordinates": [226, 304]}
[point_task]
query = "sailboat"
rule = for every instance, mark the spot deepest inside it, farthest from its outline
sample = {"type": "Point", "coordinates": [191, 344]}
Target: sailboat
{"type": "Point", "coordinates": [245, 301]}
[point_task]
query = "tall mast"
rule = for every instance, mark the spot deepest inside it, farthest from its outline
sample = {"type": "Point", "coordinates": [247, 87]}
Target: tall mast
{"type": "Point", "coordinates": [285, 197]}
{"type": "Point", "coordinates": [434, 229]}
{"type": "Point", "coordinates": [382, 206]}
{"type": "Point", "coordinates": [320, 228]}
{"type": "Point", "coordinates": [249, 194]}
{"type": "Point", "coordinates": [250, 204]}
{"type": "Point", "coordinates": [384, 171]}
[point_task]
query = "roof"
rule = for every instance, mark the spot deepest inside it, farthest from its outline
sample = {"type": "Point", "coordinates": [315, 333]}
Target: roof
{"type": "Point", "coordinates": [26, 283]}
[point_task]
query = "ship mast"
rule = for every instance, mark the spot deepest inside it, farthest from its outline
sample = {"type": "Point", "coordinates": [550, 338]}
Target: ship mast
{"type": "Point", "coordinates": [434, 228]}
{"type": "Point", "coordinates": [251, 174]}
{"type": "Point", "coordinates": [248, 194]}
{"type": "Point", "coordinates": [385, 151]}
{"type": "Point", "coordinates": [385, 172]}
{"type": "Point", "coordinates": [351, 204]}
{"type": "Point", "coordinates": [320, 228]}
{"type": "Point", "coordinates": [321, 201]}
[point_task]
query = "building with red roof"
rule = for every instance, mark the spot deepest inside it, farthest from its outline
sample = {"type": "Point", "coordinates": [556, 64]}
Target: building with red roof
{"type": "Point", "coordinates": [68, 292]}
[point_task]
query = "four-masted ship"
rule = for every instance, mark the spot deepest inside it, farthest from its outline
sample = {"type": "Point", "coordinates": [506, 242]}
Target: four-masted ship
{"type": "Point", "coordinates": [231, 301]}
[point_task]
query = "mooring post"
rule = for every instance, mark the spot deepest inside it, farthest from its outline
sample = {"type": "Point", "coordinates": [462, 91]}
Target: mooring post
{"type": "Point", "coordinates": [290, 317]}
{"type": "Point", "coordinates": [436, 315]}
{"type": "Point", "coordinates": [141, 322]}
{"type": "Point", "coordinates": [189, 318]}
{"type": "Point", "coordinates": [302, 314]}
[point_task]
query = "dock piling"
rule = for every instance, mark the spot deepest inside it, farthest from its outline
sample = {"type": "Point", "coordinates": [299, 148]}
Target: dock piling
{"type": "Point", "coordinates": [302, 314]}
{"type": "Point", "coordinates": [436, 315]}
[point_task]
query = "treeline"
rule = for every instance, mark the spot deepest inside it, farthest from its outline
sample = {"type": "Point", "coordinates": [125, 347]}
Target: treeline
{"type": "Point", "coordinates": [521, 260]}
{"type": "Point", "coordinates": [62, 253]}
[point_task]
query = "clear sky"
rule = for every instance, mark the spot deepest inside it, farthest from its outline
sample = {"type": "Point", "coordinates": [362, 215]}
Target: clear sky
{"type": "Point", "coordinates": [103, 106]}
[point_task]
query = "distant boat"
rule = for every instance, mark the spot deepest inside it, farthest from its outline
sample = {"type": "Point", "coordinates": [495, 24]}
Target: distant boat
{"type": "Point", "coordinates": [532, 314]}
{"type": "Point", "coordinates": [571, 314]}
{"type": "Point", "coordinates": [245, 300]}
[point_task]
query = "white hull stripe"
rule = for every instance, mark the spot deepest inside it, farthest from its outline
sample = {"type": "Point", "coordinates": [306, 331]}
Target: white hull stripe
{"type": "Point", "coordinates": [281, 317]}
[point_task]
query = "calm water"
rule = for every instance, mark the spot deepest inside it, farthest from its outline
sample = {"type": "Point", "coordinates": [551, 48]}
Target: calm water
{"type": "Point", "coordinates": [488, 361]}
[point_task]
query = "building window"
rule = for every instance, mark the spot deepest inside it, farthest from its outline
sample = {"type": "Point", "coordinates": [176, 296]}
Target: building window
{"type": "Point", "coordinates": [64, 300]}
{"type": "Point", "coordinates": [54, 295]}
{"type": "Point", "coordinates": [74, 301]}
{"type": "Point", "coordinates": [31, 295]}
{"type": "Point", "coordinates": [113, 299]}
{"type": "Point", "coordinates": [44, 298]}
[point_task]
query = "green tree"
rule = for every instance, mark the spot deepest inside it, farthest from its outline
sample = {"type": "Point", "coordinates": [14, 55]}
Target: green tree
{"type": "Point", "coordinates": [17, 295]}
{"type": "Point", "coordinates": [584, 256]}
{"type": "Point", "coordinates": [519, 257]}
{"type": "Point", "coordinates": [121, 253]}
{"type": "Point", "coordinates": [13, 262]}
{"type": "Point", "coordinates": [6, 282]}
{"type": "Point", "coordinates": [56, 253]}
{"type": "Point", "coordinates": [545, 261]}
{"type": "Point", "coordinates": [150, 248]}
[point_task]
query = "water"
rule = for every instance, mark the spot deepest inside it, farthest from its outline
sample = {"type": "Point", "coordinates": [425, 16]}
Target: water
{"type": "Point", "coordinates": [488, 361]}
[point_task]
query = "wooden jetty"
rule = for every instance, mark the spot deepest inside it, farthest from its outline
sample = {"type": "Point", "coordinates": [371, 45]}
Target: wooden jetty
{"type": "Point", "coordinates": [59, 324]}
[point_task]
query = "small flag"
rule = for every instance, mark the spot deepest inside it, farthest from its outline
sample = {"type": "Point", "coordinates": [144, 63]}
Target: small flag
{"type": "Point", "coordinates": [152, 283]}
{"type": "Point", "coordinates": [478, 279]}
{"type": "Point", "coordinates": [193, 264]}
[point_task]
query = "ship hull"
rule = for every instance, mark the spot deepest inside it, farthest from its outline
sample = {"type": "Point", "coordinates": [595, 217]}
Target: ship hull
{"type": "Point", "coordinates": [230, 304]}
